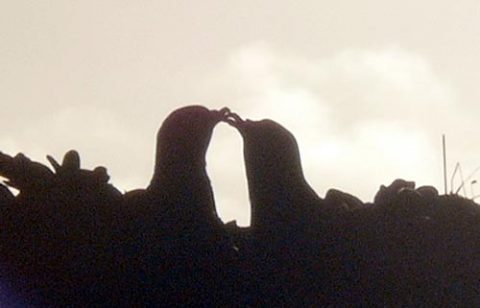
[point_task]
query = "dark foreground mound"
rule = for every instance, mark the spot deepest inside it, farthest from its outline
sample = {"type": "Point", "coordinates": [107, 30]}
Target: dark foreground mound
{"type": "Point", "coordinates": [407, 251]}
{"type": "Point", "coordinates": [81, 244]}
{"type": "Point", "coordinates": [69, 238]}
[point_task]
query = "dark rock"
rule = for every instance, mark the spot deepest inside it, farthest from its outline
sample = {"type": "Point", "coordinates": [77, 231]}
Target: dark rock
{"type": "Point", "coordinates": [6, 196]}
{"type": "Point", "coordinates": [428, 193]}
{"type": "Point", "coordinates": [25, 174]}
{"type": "Point", "coordinates": [385, 195]}
{"type": "Point", "coordinates": [337, 202]}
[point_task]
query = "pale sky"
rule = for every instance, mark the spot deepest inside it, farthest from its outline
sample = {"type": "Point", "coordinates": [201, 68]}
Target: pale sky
{"type": "Point", "coordinates": [367, 87]}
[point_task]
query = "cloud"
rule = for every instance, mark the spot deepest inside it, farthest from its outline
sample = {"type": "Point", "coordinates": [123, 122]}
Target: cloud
{"type": "Point", "coordinates": [362, 117]}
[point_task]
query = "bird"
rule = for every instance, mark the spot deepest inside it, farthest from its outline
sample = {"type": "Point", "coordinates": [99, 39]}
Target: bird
{"type": "Point", "coordinates": [281, 198]}
{"type": "Point", "coordinates": [173, 234]}
{"type": "Point", "coordinates": [180, 181]}
{"type": "Point", "coordinates": [287, 217]}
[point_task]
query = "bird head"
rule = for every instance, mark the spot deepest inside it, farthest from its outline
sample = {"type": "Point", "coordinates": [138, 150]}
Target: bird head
{"type": "Point", "coordinates": [269, 148]}
{"type": "Point", "coordinates": [184, 137]}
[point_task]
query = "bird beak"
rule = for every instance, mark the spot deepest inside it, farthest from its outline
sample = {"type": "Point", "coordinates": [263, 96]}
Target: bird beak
{"type": "Point", "coordinates": [235, 120]}
{"type": "Point", "coordinates": [220, 115]}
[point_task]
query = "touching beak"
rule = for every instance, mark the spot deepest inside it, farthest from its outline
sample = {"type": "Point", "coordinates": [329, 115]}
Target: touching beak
{"type": "Point", "coordinates": [220, 115]}
{"type": "Point", "coordinates": [235, 120]}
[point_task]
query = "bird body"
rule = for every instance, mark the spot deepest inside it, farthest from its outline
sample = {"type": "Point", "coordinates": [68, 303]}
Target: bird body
{"type": "Point", "coordinates": [280, 196]}
{"type": "Point", "coordinates": [173, 228]}
{"type": "Point", "coordinates": [180, 183]}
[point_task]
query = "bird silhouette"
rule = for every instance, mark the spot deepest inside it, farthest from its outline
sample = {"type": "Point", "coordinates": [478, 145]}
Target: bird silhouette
{"type": "Point", "coordinates": [180, 182]}
{"type": "Point", "coordinates": [287, 215]}
{"type": "Point", "coordinates": [177, 232]}
{"type": "Point", "coordinates": [281, 199]}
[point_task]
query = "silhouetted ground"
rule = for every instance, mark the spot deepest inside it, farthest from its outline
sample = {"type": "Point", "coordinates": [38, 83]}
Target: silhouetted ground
{"type": "Point", "coordinates": [69, 238]}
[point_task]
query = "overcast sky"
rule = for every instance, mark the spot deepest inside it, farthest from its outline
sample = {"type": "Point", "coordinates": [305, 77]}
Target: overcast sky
{"type": "Point", "coordinates": [367, 87]}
